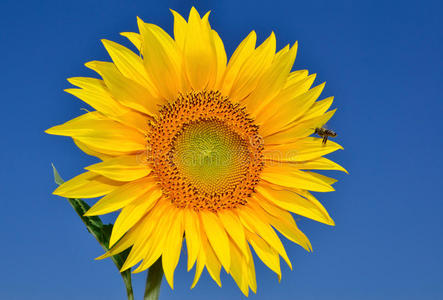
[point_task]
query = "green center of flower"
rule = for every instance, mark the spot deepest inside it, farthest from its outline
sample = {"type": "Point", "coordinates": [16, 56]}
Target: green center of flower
{"type": "Point", "coordinates": [211, 156]}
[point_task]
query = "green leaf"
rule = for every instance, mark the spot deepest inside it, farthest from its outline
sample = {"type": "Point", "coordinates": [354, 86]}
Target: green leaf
{"type": "Point", "coordinates": [100, 231]}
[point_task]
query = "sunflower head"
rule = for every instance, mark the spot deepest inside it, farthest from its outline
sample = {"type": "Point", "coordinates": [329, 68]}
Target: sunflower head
{"type": "Point", "coordinates": [198, 148]}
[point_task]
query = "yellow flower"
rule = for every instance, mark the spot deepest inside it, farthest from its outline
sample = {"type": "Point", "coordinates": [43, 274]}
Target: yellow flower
{"type": "Point", "coordinates": [197, 147]}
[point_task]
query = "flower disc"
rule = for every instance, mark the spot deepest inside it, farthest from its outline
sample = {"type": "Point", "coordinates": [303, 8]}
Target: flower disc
{"type": "Point", "coordinates": [206, 152]}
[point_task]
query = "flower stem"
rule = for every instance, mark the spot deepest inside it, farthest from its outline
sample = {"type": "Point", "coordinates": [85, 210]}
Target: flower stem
{"type": "Point", "coordinates": [100, 231]}
{"type": "Point", "coordinates": [154, 281]}
{"type": "Point", "coordinates": [128, 284]}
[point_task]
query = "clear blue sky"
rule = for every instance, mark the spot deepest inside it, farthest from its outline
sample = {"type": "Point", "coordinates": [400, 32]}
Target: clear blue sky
{"type": "Point", "coordinates": [382, 62]}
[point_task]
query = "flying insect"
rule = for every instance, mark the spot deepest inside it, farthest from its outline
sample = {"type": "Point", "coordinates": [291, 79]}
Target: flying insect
{"type": "Point", "coordinates": [325, 133]}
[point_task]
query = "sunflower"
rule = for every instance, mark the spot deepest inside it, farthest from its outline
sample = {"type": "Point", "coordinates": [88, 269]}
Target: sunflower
{"type": "Point", "coordinates": [198, 148]}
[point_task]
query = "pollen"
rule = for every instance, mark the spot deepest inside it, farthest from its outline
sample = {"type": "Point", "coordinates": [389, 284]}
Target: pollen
{"type": "Point", "coordinates": [205, 152]}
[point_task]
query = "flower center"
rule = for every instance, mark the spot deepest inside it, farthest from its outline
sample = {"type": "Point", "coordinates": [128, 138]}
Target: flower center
{"type": "Point", "coordinates": [205, 151]}
{"type": "Point", "coordinates": [211, 156]}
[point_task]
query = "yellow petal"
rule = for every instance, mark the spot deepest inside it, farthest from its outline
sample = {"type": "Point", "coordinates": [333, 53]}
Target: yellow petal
{"type": "Point", "coordinates": [211, 261]}
{"type": "Point", "coordinates": [299, 129]}
{"type": "Point", "coordinates": [293, 109]}
{"type": "Point", "coordinates": [199, 268]}
{"type": "Point", "coordinates": [241, 54]}
{"type": "Point", "coordinates": [161, 59]}
{"type": "Point", "coordinates": [243, 269]}
{"type": "Point", "coordinates": [87, 185]}
{"type": "Point", "coordinates": [281, 220]}
{"type": "Point", "coordinates": [107, 142]}
{"type": "Point", "coordinates": [323, 178]}
{"type": "Point", "coordinates": [137, 252]}
{"type": "Point", "coordinates": [265, 252]}
{"type": "Point", "coordinates": [301, 150]}
{"type": "Point", "coordinates": [293, 202]}
{"type": "Point", "coordinates": [320, 163]}
{"type": "Point", "coordinates": [221, 59]}
{"type": "Point", "coordinates": [90, 151]}
{"type": "Point", "coordinates": [272, 82]}
{"type": "Point", "coordinates": [251, 271]}
{"type": "Point", "coordinates": [292, 233]}
{"type": "Point", "coordinates": [133, 212]}
{"type": "Point", "coordinates": [287, 175]}
{"type": "Point", "coordinates": [239, 270]}
{"type": "Point", "coordinates": [180, 29]}
{"type": "Point", "coordinates": [192, 231]}
{"type": "Point", "coordinates": [74, 127]}
{"type": "Point", "coordinates": [295, 77]}
{"type": "Point", "coordinates": [123, 168]}
{"type": "Point", "coordinates": [142, 244]}
{"type": "Point", "coordinates": [281, 53]}
{"type": "Point", "coordinates": [157, 241]}
{"type": "Point", "coordinates": [125, 242]}
{"type": "Point", "coordinates": [134, 38]}
{"type": "Point", "coordinates": [319, 108]}
{"type": "Point", "coordinates": [233, 226]}
{"type": "Point", "coordinates": [173, 245]}
{"type": "Point", "coordinates": [129, 64]}
{"type": "Point", "coordinates": [121, 196]}
{"type": "Point", "coordinates": [103, 154]}
{"type": "Point", "coordinates": [252, 70]}
{"type": "Point", "coordinates": [125, 90]}
{"type": "Point", "coordinates": [295, 85]}
{"type": "Point", "coordinates": [95, 93]}
{"type": "Point", "coordinates": [264, 230]}
{"type": "Point", "coordinates": [199, 56]}
{"type": "Point", "coordinates": [138, 234]}
{"type": "Point", "coordinates": [95, 130]}
{"type": "Point", "coordinates": [217, 237]}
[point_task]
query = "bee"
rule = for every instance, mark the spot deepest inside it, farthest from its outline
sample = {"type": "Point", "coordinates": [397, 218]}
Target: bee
{"type": "Point", "coordinates": [325, 133]}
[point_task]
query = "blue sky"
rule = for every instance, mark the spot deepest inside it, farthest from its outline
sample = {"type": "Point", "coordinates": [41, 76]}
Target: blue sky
{"type": "Point", "coordinates": [382, 62]}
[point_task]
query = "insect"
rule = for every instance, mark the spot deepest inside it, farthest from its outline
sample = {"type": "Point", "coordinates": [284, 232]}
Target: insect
{"type": "Point", "coordinates": [325, 133]}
